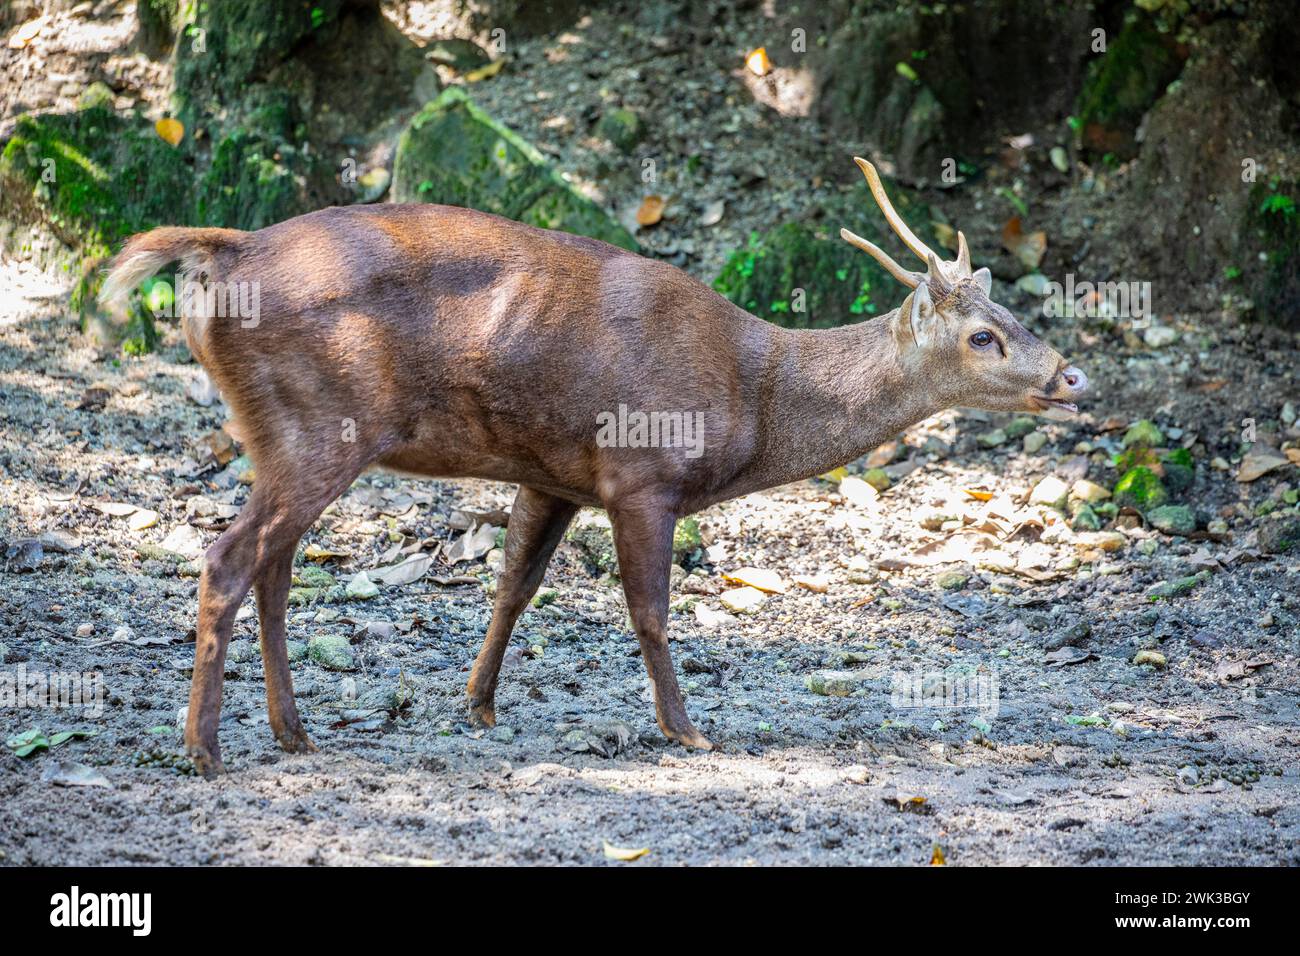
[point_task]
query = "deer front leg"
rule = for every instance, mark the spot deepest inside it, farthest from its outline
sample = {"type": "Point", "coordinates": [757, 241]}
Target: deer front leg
{"type": "Point", "coordinates": [537, 522]}
{"type": "Point", "coordinates": [643, 538]}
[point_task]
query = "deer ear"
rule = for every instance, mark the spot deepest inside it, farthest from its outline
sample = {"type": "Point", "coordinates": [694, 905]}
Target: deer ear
{"type": "Point", "coordinates": [918, 321]}
{"type": "Point", "coordinates": [984, 278]}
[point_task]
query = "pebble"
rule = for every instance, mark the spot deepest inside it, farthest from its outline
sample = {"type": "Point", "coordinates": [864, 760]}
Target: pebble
{"type": "Point", "coordinates": [1034, 442]}
{"type": "Point", "coordinates": [85, 630]}
{"type": "Point", "coordinates": [1154, 658]}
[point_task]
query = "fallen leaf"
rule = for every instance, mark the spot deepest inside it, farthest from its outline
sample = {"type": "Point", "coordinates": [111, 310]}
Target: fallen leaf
{"type": "Point", "coordinates": [407, 572]}
{"type": "Point", "coordinates": [221, 445]}
{"type": "Point", "coordinates": [141, 519]}
{"type": "Point", "coordinates": [66, 773]}
{"type": "Point", "coordinates": [26, 33]}
{"type": "Point", "coordinates": [979, 494]}
{"type": "Point", "coordinates": [1259, 461]}
{"type": "Point", "coordinates": [484, 72]}
{"type": "Point", "coordinates": [171, 130]}
{"type": "Point", "coordinates": [1028, 248]}
{"type": "Point", "coordinates": [650, 211]}
{"type": "Point", "coordinates": [713, 213]}
{"type": "Point", "coordinates": [624, 854]}
{"type": "Point", "coordinates": [936, 856]}
{"type": "Point", "coordinates": [315, 552]}
{"type": "Point", "coordinates": [472, 545]}
{"type": "Point", "coordinates": [1067, 655]}
{"type": "Point", "coordinates": [760, 578]}
{"type": "Point", "coordinates": [758, 63]}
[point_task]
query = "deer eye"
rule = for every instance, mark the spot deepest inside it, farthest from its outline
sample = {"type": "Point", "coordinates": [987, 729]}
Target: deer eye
{"type": "Point", "coordinates": [982, 339]}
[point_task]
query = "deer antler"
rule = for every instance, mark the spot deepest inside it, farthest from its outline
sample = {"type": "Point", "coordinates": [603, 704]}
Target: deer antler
{"type": "Point", "coordinates": [911, 279]}
{"type": "Point", "coordinates": [895, 221]}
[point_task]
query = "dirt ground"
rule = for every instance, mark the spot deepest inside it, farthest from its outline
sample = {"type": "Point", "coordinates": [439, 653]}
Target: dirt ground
{"type": "Point", "coordinates": [1087, 757]}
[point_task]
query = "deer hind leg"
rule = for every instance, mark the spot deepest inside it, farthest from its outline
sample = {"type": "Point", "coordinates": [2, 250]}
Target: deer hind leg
{"type": "Point", "coordinates": [272, 590]}
{"type": "Point", "coordinates": [259, 547]}
{"type": "Point", "coordinates": [537, 522]}
{"type": "Point", "coordinates": [643, 539]}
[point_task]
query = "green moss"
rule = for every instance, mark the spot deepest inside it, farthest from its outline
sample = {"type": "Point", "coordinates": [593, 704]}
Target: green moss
{"type": "Point", "coordinates": [1122, 84]}
{"type": "Point", "coordinates": [1140, 488]}
{"type": "Point", "coordinates": [804, 277]}
{"type": "Point", "coordinates": [453, 152]}
{"type": "Point", "coordinates": [246, 187]}
{"type": "Point", "coordinates": [686, 540]}
{"type": "Point", "coordinates": [622, 128]}
{"type": "Point", "coordinates": [1272, 219]}
{"type": "Point", "coordinates": [1179, 469]}
{"type": "Point", "coordinates": [1145, 434]}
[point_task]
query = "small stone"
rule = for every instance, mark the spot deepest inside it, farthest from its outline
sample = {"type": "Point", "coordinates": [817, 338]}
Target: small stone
{"type": "Point", "coordinates": [361, 588]}
{"type": "Point", "coordinates": [4, 652]}
{"type": "Point", "coordinates": [857, 492]}
{"type": "Point", "coordinates": [1159, 336]}
{"type": "Point", "coordinates": [742, 600]}
{"type": "Point", "coordinates": [1086, 519]}
{"type": "Point", "coordinates": [835, 683]}
{"type": "Point", "coordinates": [817, 583]}
{"type": "Point", "coordinates": [952, 580]}
{"type": "Point", "coordinates": [1217, 526]}
{"type": "Point", "coordinates": [993, 439]}
{"type": "Point", "coordinates": [1050, 492]}
{"type": "Point", "coordinates": [123, 634]}
{"type": "Point", "coordinates": [1289, 413]}
{"type": "Point", "coordinates": [297, 651]}
{"type": "Point", "coordinates": [240, 652]}
{"type": "Point", "coordinates": [85, 630]}
{"type": "Point", "coordinates": [1189, 775]}
{"type": "Point", "coordinates": [1034, 442]}
{"type": "Point", "coordinates": [332, 651]}
{"type": "Point", "coordinates": [877, 478]}
{"type": "Point", "coordinates": [1089, 491]}
{"type": "Point", "coordinates": [502, 734]}
{"type": "Point", "coordinates": [1280, 535]}
{"type": "Point", "coordinates": [1154, 658]}
{"type": "Point", "coordinates": [1020, 427]}
{"type": "Point", "coordinates": [1172, 519]}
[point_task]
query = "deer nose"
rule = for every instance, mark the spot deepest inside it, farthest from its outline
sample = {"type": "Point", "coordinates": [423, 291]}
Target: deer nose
{"type": "Point", "coordinates": [1074, 380]}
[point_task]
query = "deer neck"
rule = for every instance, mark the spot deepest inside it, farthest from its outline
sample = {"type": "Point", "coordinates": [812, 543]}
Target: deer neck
{"type": "Point", "coordinates": [835, 394]}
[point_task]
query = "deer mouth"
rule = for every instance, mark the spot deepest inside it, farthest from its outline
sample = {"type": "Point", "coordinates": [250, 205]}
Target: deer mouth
{"type": "Point", "coordinates": [1056, 408]}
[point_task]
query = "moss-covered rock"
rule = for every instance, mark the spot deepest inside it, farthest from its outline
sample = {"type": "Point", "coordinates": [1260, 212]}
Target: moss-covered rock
{"type": "Point", "coordinates": [1143, 434]}
{"type": "Point", "coordinates": [802, 276]}
{"type": "Point", "coordinates": [1280, 535]}
{"type": "Point", "coordinates": [1273, 219]}
{"type": "Point", "coordinates": [1172, 519]}
{"type": "Point", "coordinates": [453, 152]}
{"type": "Point", "coordinates": [622, 128]}
{"type": "Point", "coordinates": [1179, 470]}
{"type": "Point", "coordinates": [249, 185]}
{"type": "Point", "coordinates": [1140, 488]}
{"type": "Point", "coordinates": [1123, 83]}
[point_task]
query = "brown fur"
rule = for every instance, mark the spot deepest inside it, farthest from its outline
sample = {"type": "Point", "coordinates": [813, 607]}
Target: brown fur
{"type": "Point", "coordinates": [465, 345]}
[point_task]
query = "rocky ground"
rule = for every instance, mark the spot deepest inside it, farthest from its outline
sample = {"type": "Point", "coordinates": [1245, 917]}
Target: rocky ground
{"type": "Point", "coordinates": [1137, 687]}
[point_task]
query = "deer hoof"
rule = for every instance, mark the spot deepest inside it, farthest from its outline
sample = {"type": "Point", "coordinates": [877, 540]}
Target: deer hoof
{"type": "Point", "coordinates": [296, 742]}
{"type": "Point", "coordinates": [482, 714]}
{"type": "Point", "coordinates": [690, 738]}
{"type": "Point", "coordinates": [206, 760]}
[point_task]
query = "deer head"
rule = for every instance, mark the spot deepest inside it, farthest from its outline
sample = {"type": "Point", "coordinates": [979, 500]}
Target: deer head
{"type": "Point", "coordinates": [951, 334]}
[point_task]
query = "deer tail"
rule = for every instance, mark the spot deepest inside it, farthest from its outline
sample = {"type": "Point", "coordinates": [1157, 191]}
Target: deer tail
{"type": "Point", "coordinates": [147, 252]}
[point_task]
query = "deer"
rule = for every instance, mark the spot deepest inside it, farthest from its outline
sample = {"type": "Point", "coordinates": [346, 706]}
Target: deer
{"type": "Point", "coordinates": [445, 342]}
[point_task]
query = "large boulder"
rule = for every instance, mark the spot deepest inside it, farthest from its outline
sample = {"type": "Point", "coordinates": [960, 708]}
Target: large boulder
{"type": "Point", "coordinates": [453, 152]}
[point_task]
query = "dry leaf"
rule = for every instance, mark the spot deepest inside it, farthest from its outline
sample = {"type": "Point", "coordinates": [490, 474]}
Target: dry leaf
{"type": "Point", "coordinates": [484, 72]}
{"type": "Point", "coordinates": [979, 494]}
{"type": "Point", "coordinates": [141, 519]}
{"type": "Point", "coordinates": [26, 33]}
{"type": "Point", "coordinates": [758, 63]}
{"type": "Point", "coordinates": [316, 553]}
{"type": "Point", "coordinates": [650, 211]}
{"type": "Point", "coordinates": [171, 130]}
{"type": "Point", "coordinates": [760, 578]}
{"type": "Point", "coordinates": [408, 571]}
{"type": "Point", "coordinates": [221, 445]}
{"type": "Point", "coordinates": [936, 856]}
{"type": "Point", "coordinates": [472, 545]}
{"type": "Point", "coordinates": [624, 854]}
{"type": "Point", "coordinates": [1259, 461]}
{"type": "Point", "coordinates": [1028, 248]}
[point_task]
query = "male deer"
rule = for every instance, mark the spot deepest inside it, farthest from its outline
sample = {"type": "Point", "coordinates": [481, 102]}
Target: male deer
{"type": "Point", "coordinates": [461, 344]}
